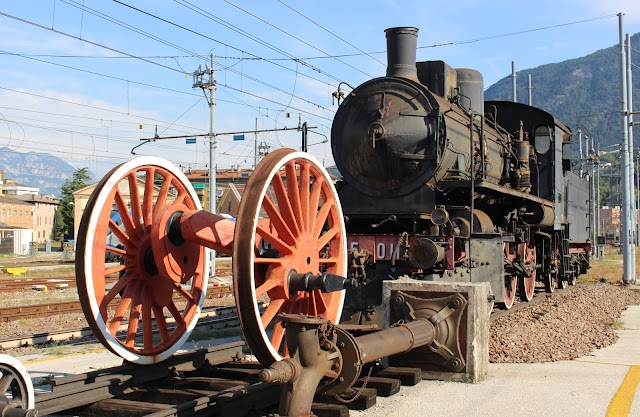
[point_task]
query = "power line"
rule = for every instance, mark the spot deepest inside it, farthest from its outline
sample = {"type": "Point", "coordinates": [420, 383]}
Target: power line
{"type": "Point", "coordinates": [256, 57]}
{"type": "Point", "coordinates": [94, 107]}
{"type": "Point", "coordinates": [296, 38]}
{"type": "Point", "coordinates": [120, 23]}
{"type": "Point", "coordinates": [88, 41]}
{"type": "Point", "coordinates": [331, 33]}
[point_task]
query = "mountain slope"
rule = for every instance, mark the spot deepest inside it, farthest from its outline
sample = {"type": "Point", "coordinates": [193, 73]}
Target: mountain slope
{"type": "Point", "coordinates": [582, 92]}
{"type": "Point", "coordinates": [35, 170]}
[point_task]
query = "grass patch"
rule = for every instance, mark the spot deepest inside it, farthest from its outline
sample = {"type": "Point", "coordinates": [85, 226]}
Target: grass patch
{"type": "Point", "coordinates": [56, 351]}
{"type": "Point", "coordinates": [205, 334]}
{"type": "Point", "coordinates": [609, 269]}
{"type": "Point", "coordinates": [617, 324]}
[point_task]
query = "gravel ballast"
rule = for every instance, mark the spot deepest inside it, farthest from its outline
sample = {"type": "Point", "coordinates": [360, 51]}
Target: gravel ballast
{"type": "Point", "coordinates": [566, 325]}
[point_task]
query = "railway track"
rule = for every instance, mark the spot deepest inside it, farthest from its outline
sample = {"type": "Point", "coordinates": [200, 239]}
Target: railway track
{"type": "Point", "coordinates": [210, 318]}
{"type": "Point", "coordinates": [217, 381]}
{"type": "Point", "coordinates": [42, 284]}
{"type": "Point", "coordinates": [72, 307]}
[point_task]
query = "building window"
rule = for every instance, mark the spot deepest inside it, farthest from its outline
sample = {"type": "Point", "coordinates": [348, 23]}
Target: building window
{"type": "Point", "coordinates": [21, 212]}
{"type": "Point", "coordinates": [15, 212]}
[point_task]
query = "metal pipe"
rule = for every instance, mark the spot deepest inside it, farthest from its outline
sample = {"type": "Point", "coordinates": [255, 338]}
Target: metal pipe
{"type": "Point", "coordinates": [471, 170]}
{"type": "Point", "coordinates": [395, 340]}
{"type": "Point", "coordinates": [530, 89]}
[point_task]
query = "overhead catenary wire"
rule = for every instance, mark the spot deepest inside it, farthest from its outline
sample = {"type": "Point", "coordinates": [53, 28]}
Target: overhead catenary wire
{"type": "Point", "coordinates": [297, 38]}
{"type": "Point", "coordinates": [331, 33]}
{"type": "Point", "coordinates": [158, 64]}
{"type": "Point", "coordinates": [253, 56]}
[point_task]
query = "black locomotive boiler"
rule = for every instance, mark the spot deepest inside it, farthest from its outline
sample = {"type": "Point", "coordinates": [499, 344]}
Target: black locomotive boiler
{"type": "Point", "coordinates": [440, 185]}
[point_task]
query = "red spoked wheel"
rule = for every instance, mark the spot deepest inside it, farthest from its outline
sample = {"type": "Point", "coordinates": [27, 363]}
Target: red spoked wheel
{"type": "Point", "coordinates": [527, 285]}
{"type": "Point", "coordinates": [510, 281]}
{"type": "Point", "coordinates": [123, 209]}
{"type": "Point", "coordinates": [291, 223]}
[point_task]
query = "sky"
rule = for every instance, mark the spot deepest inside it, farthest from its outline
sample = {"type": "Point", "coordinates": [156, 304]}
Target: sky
{"type": "Point", "coordinates": [86, 80]}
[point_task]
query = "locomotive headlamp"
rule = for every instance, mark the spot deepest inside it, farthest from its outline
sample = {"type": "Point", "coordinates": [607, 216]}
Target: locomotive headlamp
{"type": "Point", "coordinates": [439, 216]}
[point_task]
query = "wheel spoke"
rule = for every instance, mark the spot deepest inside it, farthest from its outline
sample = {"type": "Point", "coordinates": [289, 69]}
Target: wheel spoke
{"type": "Point", "coordinates": [284, 205]}
{"type": "Point", "coordinates": [327, 237]}
{"type": "Point", "coordinates": [321, 305]}
{"type": "Point", "coordinates": [314, 199]}
{"type": "Point", "coordinates": [147, 202]}
{"type": "Point", "coordinates": [162, 194]}
{"type": "Point", "coordinates": [5, 382]}
{"type": "Point", "coordinates": [136, 211]}
{"type": "Point", "coordinates": [323, 214]}
{"type": "Point", "coordinates": [115, 290]}
{"type": "Point", "coordinates": [173, 309]}
{"type": "Point", "coordinates": [270, 312]}
{"type": "Point", "coordinates": [116, 250]}
{"type": "Point", "coordinates": [120, 234]}
{"type": "Point", "coordinates": [304, 193]}
{"type": "Point", "coordinates": [270, 261]}
{"type": "Point", "coordinates": [134, 319]}
{"type": "Point", "coordinates": [330, 260]}
{"type": "Point", "coordinates": [186, 294]}
{"type": "Point", "coordinates": [266, 286]}
{"type": "Point", "coordinates": [277, 244]}
{"type": "Point", "coordinates": [312, 309]}
{"type": "Point", "coordinates": [277, 221]}
{"type": "Point", "coordinates": [127, 221]}
{"type": "Point", "coordinates": [147, 324]}
{"type": "Point", "coordinates": [161, 323]}
{"type": "Point", "coordinates": [114, 270]}
{"type": "Point", "coordinates": [124, 304]}
{"type": "Point", "coordinates": [294, 194]}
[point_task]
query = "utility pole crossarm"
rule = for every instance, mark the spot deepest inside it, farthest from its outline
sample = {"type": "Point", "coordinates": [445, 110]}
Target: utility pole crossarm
{"type": "Point", "coordinates": [281, 129]}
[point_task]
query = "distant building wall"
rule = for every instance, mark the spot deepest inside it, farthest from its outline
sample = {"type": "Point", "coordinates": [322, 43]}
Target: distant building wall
{"type": "Point", "coordinates": [16, 213]}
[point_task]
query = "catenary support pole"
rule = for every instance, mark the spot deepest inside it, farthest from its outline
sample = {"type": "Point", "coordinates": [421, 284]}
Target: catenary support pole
{"type": "Point", "coordinates": [581, 159]}
{"type": "Point", "coordinates": [628, 251]}
{"type": "Point", "coordinates": [213, 188]}
{"type": "Point", "coordinates": [631, 159]}
{"type": "Point", "coordinates": [513, 79]}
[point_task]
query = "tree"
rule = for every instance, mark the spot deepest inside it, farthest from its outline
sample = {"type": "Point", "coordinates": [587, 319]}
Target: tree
{"type": "Point", "coordinates": [79, 180]}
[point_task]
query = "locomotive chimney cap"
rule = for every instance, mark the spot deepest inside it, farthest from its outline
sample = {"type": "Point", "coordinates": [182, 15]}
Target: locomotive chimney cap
{"type": "Point", "coordinates": [401, 52]}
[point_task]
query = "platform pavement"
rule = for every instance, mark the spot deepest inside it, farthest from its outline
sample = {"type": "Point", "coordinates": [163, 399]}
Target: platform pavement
{"type": "Point", "coordinates": [600, 384]}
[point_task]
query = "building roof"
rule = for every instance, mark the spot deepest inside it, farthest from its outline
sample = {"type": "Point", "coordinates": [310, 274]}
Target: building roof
{"type": "Point", "coordinates": [11, 200]}
{"type": "Point", "coordinates": [36, 198]}
{"type": "Point", "coordinates": [223, 175]}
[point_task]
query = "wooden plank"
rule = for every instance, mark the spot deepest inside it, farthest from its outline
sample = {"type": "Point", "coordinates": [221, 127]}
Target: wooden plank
{"type": "Point", "coordinates": [118, 408]}
{"type": "Point", "coordinates": [365, 400]}
{"type": "Point", "coordinates": [329, 410]}
{"type": "Point", "coordinates": [385, 387]}
{"type": "Point", "coordinates": [407, 376]}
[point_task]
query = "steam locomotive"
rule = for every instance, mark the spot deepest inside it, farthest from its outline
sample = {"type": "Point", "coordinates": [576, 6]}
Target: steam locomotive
{"type": "Point", "coordinates": [439, 185]}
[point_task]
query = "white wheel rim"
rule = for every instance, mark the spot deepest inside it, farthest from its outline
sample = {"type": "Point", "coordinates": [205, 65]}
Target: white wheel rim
{"type": "Point", "coordinates": [114, 179]}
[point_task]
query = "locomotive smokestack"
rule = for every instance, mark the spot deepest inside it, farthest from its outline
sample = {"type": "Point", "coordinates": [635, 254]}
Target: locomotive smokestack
{"type": "Point", "coordinates": [401, 52]}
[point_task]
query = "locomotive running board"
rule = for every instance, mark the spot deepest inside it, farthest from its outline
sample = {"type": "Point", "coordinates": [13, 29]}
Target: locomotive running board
{"type": "Point", "coordinates": [486, 185]}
